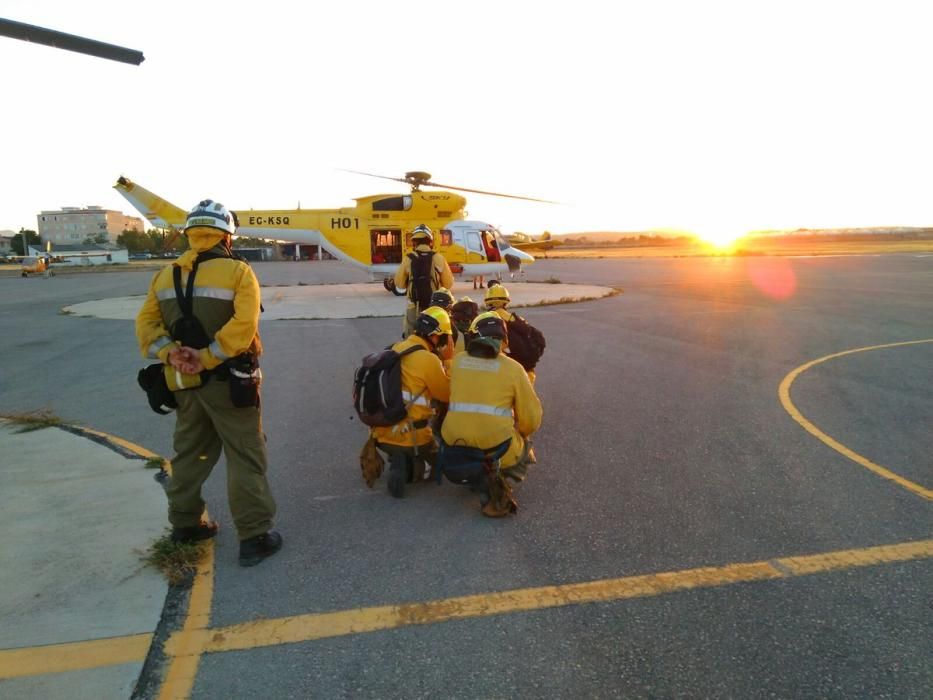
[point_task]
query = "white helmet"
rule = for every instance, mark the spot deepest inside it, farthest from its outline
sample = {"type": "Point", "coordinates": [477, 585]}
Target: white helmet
{"type": "Point", "coordinates": [422, 231]}
{"type": "Point", "coordinates": [207, 212]}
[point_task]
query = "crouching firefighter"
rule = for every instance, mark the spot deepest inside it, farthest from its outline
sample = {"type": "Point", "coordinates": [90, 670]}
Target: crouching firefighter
{"type": "Point", "coordinates": [201, 319]}
{"type": "Point", "coordinates": [409, 444]}
{"type": "Point", "coordinates": [493, 411]}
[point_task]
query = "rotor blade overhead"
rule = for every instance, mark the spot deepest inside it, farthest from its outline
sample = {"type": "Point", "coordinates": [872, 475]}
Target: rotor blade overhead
{"type": "Point", "coordinates": [418, 179]}
{"type": "Point", "coordinates": [384, 177]}
{"type": "Point", "coordinates": [69, 42]}
{"type": "Point", "coordinates": [494, 194]}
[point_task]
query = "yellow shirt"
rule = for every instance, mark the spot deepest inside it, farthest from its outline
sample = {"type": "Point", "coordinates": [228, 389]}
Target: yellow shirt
{"type": "Point", "coordinates": [225, 298]}
{"type": "Point", "coordinates": [423, 377]}
{"type": "Point", "coordinates": [491, 400]}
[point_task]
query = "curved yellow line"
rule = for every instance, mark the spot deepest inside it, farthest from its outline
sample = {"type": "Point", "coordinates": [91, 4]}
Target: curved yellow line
{"type": "Point", "coordinates": [784, 393]}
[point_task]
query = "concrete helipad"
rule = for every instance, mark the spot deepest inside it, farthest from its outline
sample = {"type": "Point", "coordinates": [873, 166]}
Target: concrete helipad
{"type": "Point", "coordinates": [352, 300]}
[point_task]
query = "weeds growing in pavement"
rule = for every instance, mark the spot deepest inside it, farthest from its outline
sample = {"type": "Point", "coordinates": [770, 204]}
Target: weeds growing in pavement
{"type": "Point", "coordinates": [176, 560]}
{"type": "Point", "coordinates": [32, 420]}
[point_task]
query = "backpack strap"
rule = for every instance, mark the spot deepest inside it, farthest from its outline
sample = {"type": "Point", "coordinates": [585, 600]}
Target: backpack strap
{"type": "Point", "coordinates": [184, 297]}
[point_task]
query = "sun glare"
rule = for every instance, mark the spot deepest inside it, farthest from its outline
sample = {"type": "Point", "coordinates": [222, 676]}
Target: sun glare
{"type": "Point", "coordinates": [721, 237]}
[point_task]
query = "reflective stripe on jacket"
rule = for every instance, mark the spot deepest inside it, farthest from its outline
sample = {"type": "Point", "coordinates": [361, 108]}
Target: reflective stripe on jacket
{"type": "Point", "coordinates": [423, 377]}
{"type": "Point", "coordinates": [491, 400]}
{"type": "Point", "coordinates": [225, 300]}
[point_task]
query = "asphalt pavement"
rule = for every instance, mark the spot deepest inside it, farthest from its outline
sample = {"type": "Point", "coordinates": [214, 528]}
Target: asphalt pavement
{"type": "Point", "coordinates": [682, 535]}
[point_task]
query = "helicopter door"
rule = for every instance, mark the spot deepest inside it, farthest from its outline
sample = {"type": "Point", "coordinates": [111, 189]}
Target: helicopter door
{"type": "Point", "coordinates": [386, 246]}
{"type": "Point", "coordinates": [474, 246]}
{"type": "Point", "coordinates": [492, 250]}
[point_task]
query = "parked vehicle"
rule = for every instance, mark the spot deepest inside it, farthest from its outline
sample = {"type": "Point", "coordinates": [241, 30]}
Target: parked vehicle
{"type": "Point", "coordinates": [36, 266]}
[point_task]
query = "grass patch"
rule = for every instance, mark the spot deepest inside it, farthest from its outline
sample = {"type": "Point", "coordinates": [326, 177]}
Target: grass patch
{"type": "Point", "coordinates": [155, 463]}
{"type": "Point", "coordinates": [32, 420]}
{"type": "Point", "coordinates": [552, 280]}
{"type": "Point", "coordinates": [176, 560]}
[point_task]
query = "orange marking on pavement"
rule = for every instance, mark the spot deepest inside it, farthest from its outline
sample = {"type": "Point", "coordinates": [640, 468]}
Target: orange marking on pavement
{"type": "Point", "coordinates": [784, 394]}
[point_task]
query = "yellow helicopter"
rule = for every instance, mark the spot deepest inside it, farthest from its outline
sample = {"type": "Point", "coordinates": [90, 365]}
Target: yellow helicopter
{"type": "Point", "coordinates": [376, 233]}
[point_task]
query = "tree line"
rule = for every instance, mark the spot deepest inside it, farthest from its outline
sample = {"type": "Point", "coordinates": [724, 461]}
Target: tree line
{"type": "Point", "coordinates": [154, 240]}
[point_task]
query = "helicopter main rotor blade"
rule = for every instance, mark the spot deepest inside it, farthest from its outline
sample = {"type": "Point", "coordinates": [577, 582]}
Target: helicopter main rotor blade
{"type": "Point", "coordinates": [494, 194]}
{"type": "Point", "coordinates": [427, 183]}
{"type": "Point", "coordinates": [384, 177]}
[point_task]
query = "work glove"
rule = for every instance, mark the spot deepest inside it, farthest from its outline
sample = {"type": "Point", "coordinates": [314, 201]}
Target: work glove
{"type": "Point", "coordinates": [371, 462]}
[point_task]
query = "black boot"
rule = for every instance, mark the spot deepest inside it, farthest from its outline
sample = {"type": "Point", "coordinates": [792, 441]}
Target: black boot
{"type": "Point", "coordinates": [255, 549]}
{"type": "Point", "coordinates": [204, 531]}
{"type": "Point", "coordinates": [399, 475]}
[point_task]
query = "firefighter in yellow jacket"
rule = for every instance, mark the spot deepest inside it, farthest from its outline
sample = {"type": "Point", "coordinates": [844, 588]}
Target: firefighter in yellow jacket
{"type": "Point", "coordinates": [410, 444]}
{"type": "Point", "coordinates": [496, 300]}
{"type": "Point", "coordinates": [491, 402]}
{"type": "Point", "coordinates": [201, 319]}
{"type": "Point", "coordinates": [422, 272]}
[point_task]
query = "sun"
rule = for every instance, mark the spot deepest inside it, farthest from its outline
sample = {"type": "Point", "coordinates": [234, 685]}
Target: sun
{"type": "Point", "coordinates": [719, 236]}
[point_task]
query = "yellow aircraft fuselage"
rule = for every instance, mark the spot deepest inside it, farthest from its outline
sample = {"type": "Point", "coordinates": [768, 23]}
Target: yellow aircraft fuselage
{"type": "Point", "coordinates": [374, 234]}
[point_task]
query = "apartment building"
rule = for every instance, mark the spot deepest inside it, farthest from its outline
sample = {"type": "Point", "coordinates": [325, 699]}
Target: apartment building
{"type": "Point", "coordinates": [75, 225]}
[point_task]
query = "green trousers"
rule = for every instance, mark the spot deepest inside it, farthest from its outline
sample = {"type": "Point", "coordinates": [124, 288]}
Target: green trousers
{"type": "Point", "coordinates": [206, 422]}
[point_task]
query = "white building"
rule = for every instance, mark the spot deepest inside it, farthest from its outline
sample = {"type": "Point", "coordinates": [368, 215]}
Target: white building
{"type": "Point", "coordinates": [84, 255]}
{"type": "Point", "coordinates": [73, 225]}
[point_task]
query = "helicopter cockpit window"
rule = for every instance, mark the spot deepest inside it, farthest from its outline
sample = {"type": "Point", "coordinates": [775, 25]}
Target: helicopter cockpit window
{"type": "Point", "coordinates": [402, 203]}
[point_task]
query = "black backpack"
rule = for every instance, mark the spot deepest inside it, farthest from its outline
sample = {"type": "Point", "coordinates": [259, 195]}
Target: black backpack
{"type": "Point", "coordinates": [526, 343]}
{"type": "Point", "coordinates": [377, 388]}
{"type": "Point", "coordinates": [421, 286]}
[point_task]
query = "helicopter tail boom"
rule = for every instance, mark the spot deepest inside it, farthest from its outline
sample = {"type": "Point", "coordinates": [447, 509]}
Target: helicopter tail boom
{"type": "Point", "coordinates": [158, 211]}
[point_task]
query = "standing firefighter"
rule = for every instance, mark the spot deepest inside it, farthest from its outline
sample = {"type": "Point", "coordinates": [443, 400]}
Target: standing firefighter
{"type": "Point", "coordinates": [494, 409]}
{"type": "Point", "coordinates": [201, 318]}
{"type": "Point", "coordinates": [422, 272]}
{"type": "Point", "coordinates": [409, 443]}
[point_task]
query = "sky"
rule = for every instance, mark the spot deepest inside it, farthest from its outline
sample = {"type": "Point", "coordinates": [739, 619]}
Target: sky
{"type": "Point", "coordinates": [703, 116]}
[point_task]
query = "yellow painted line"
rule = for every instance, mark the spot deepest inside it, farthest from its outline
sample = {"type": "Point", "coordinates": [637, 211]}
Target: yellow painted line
{"type": "Point", "coordinates": [187, 644]}
{"type": "Point", "coordinates": [126, 444]}
{"type": "Point", "coordinates": [74, 656]}
{"type": "Point", "coordinates": [784, 393]}
{"type": "Point", "coordinates": [302, 628]}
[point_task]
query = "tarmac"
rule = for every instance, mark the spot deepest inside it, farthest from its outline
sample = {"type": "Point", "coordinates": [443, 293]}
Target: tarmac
{"type": "Point", "coordinates": [79, 508]}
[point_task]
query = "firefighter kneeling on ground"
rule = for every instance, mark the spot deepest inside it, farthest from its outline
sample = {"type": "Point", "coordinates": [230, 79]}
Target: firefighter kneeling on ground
{"type": "Point", "coordinates": [492, 402]}
{"type": "Point", "coordinates": [461, 316]}
{"type": "Point", "coordinates": [410, 444]}
{"type": "Point", "coordinates": [497, 299]}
